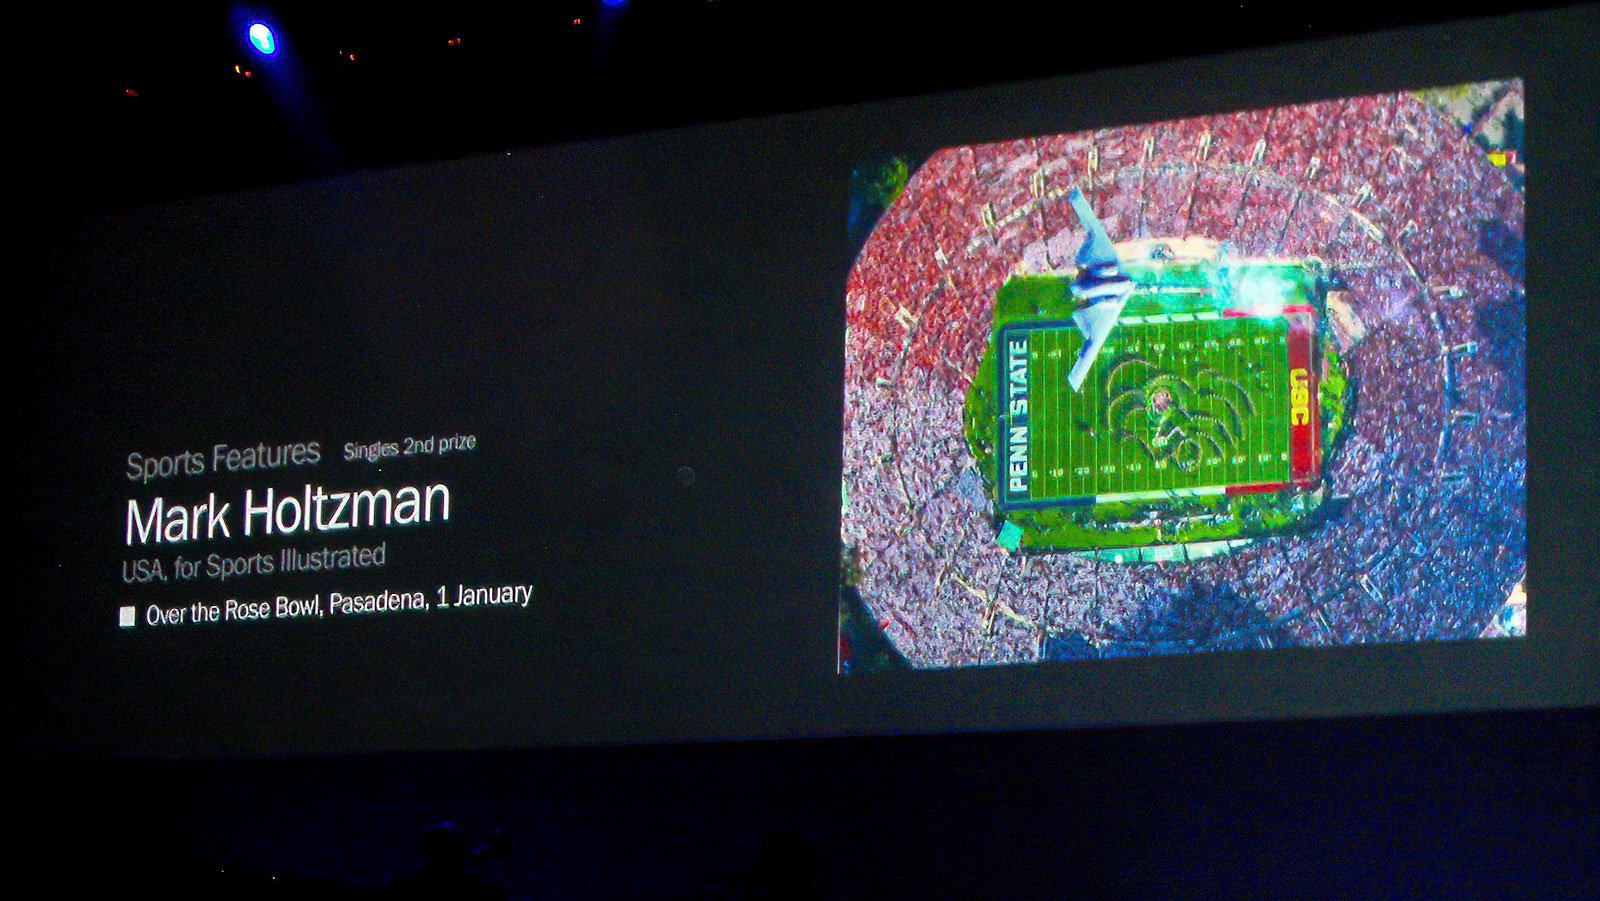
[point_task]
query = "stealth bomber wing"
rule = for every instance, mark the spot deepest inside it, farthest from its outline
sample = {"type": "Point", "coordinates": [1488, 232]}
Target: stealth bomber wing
{"type": "Point", "coordinates": [1100, 285]}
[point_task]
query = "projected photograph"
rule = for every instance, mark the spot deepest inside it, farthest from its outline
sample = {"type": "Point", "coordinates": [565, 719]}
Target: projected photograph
{"type": "Point", "coordinates": [1243, 381]}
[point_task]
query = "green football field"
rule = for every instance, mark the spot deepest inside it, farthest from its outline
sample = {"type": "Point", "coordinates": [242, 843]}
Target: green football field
{"type": "Point", "coordinates": [1187, 401]}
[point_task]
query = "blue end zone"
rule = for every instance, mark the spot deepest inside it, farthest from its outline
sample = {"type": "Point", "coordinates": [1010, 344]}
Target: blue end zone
{"type": "Point", "coordinates": [1006, 498]}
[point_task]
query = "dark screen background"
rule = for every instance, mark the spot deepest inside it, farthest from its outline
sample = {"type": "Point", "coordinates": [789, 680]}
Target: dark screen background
{"type": "Point", "coordinates": [601, 314]}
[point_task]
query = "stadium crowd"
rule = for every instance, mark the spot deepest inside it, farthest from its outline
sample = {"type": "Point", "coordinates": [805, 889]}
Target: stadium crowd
{"type": "Point", "coordinates": [1426, 533]}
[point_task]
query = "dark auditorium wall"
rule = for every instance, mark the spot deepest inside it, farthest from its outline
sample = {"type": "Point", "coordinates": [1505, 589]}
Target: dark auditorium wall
{"type": "Point", "coordinates": [1481, 805]}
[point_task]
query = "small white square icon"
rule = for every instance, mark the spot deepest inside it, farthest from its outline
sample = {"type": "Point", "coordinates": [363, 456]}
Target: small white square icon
{"type": "Point", "coordinates": [126, 617]}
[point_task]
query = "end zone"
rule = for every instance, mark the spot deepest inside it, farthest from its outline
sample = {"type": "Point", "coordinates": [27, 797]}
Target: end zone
{"type": "Point", "coordinates": [1305, 428]}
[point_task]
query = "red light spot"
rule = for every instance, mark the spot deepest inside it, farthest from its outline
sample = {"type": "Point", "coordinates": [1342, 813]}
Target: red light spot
{"type": "Point", "coordinates": [454, 42]}
{"type": "Point", "coordinates": [577, 21]}
{"type": "Point", "coordinates": [129, 92]}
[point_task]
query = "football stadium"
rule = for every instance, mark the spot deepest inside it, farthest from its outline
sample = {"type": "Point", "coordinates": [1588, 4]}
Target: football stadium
{"type": "Point", "coordinates": [1243, 380]}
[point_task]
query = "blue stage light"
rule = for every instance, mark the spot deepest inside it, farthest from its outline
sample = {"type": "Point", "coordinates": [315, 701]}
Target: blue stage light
{"type": "Point", "coordinates": [262, 38]}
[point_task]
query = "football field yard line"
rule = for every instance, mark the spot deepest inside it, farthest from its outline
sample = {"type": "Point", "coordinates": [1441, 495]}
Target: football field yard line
{"type": "Point", "coordinates": [1052, 404]}
{"type": "Point", "coordinates": [1056, 401]}
{"type": "Point", "coordinates": [1271, 416]}
{"type": "Point", "coordinates": [1236, 367]}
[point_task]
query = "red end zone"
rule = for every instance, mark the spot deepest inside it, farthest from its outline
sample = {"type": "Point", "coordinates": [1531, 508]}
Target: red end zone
{"type": "Point", "coordinates": [1305, 428]}
{"type": "Point", "coordinates": [1305, 422]}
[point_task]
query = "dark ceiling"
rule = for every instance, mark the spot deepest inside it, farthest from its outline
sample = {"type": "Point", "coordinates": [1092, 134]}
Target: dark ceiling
{"type": "Point", "coordinates": [143, 104]}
